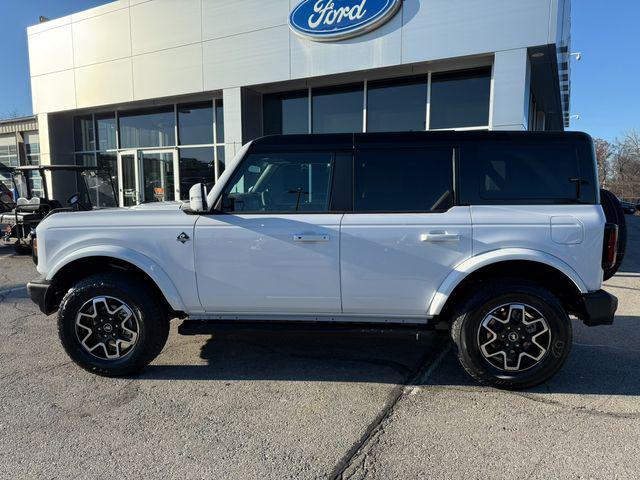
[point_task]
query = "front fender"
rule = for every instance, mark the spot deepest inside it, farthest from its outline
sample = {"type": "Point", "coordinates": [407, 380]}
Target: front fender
{"type": "Point", "coordinates": [144, 263]}
{"type": "Point", "coordinates": [462, 270]}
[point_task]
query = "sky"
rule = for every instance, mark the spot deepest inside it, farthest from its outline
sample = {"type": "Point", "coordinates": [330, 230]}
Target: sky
{"type": "Point", "coordinates": [605, 84]}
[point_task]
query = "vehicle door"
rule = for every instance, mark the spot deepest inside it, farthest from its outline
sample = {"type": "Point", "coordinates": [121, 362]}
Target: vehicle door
{"type": "Point", "coordinates": [275, 246]}
{"type": "Point", "coordinates": [405, 234]}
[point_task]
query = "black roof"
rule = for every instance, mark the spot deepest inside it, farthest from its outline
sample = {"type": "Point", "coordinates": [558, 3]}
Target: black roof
{"type": "Point", "coordinates": [348, 141]}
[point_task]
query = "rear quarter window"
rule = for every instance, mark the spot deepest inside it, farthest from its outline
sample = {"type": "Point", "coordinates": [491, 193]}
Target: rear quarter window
{"type": "Point", "coordinates": [520, 173]}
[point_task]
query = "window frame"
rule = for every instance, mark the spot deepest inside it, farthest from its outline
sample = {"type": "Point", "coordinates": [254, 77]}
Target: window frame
{"type": "Point", "coordinates": [454, 177]}
{"type": "Point", "coordinates": [583, 184]}
{"type": "Point", "coordinates": [335, 182]}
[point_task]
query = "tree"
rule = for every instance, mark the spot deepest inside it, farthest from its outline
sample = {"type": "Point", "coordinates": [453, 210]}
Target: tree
{"type": "Point", "coordinates": [625, 171]}
{"type": "Point", "coordinates": [604, 154]}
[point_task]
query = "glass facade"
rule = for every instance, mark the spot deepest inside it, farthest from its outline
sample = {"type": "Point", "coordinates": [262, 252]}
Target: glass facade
{"type": "Point", "coordinates": [397, 106]}
{"type": "Point", "coordinates": [106, 128]}
{"type": "Point", "coordinates": [195, 122]}
{"type": "Point", "coordinates": [9, 150]}
{"type": "Point", "coordinates": [337, 109]}
{"type": "Point", "coordinates": [148, 128]}
{"type": "Point", "coordinates": [286, 113]}
{"type": "Point", "coordinates": [442, 100]}
{"type": "Point", "coordinates": [460, 99]}
{"type": "Point", "coordinates": [191, 133]}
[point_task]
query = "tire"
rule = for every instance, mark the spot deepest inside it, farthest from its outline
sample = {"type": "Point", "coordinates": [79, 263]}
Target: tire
{"type": "Point", "coordinates": [146, 318]}
{"type": "Point", "coordinates": [614, 213]}
{"type": "Point", "coordinates": [468, 335]}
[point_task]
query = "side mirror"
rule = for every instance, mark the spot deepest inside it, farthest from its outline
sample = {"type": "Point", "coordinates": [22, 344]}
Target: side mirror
{"type": "Point", "coordinates": [198, 198]}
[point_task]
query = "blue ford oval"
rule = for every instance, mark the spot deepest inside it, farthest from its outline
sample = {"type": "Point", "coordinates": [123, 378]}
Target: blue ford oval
{"type": "Point", "coordinates": [325, 20]}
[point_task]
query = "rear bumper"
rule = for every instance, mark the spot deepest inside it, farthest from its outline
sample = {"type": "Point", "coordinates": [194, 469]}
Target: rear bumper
{"type": "Point", "coordinates": [598, 308]}
{"type": "Point", "coordinates": [40, 292]}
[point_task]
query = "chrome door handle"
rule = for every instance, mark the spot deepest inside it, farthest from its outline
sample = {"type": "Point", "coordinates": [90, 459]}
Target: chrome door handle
{"type": "Point", "coordinates": [439, 237]}
{"type": "Point", "coordinates": [310, 238]}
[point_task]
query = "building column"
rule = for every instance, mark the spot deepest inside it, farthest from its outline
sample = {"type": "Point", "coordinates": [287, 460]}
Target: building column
{"type": "Point", "coordinates": [511, 80]}
{"type": "Point", "coordinates": [232, 105]}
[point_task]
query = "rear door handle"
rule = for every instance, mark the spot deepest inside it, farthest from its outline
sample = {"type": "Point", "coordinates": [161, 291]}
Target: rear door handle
{"type": "Point", "coordinates": [302, 237]}
{"type": "Point", "coordinates": [439, 237]}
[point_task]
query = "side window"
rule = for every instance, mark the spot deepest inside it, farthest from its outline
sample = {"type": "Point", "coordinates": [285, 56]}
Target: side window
{"type": "Point", "coordinates": [510, 172]}
{"type": "Point", "coordinates": [281, 182]}
{"type": "Point", "coordinates": [412, 180]}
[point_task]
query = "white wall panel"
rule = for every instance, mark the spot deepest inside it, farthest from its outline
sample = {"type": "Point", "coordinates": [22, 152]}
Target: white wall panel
{"type": "Point", "coordinates": [100, 10]}
{"type": "Point", "coordinates": [435, 29]}
{"type": "Point", "coordinates": [221, 19]}
{"type": "Point", "coordinates": [53, 92]}
{"type": "Point", "coordinates": [251, 58]}
{"type": "Point", "coordinates": [51, 50]}
{"type": "Point", "coordinates": [379, 48]}
{"type": "Point", "coordinates": [106, 83]}
{"type": "Point", "coordinates": [102, 38]}
{"type": "Point", "coordinates": [168, 72]}
{"type": "Point", "coordinates": [161, 24]}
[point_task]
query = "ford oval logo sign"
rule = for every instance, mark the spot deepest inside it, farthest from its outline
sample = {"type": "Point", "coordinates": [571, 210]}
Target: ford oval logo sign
{"type": "Point", "coordinates": [325, 20]}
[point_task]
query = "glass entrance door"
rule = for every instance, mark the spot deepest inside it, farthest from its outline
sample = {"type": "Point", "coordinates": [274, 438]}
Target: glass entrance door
{"type": "Point", "coordinates": [158, 175]}
{"type": "Point", "coordinates": [128, 178]}
{"type": "Point", "coordinates": [147, 176]}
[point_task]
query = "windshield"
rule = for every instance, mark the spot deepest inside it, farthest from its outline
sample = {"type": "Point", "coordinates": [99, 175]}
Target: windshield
{"type": "Point", "coordinates": [99, 192]}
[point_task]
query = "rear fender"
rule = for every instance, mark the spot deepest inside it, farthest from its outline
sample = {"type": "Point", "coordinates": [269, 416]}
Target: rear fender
{"type": "Point", "coordinates": [467, 267]}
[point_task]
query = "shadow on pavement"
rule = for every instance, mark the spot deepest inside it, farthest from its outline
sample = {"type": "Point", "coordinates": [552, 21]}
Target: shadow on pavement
{"type": "Point", "coordinates": [601, 369]}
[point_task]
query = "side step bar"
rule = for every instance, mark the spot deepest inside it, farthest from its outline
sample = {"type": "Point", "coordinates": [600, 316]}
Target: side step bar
{"type": "Point", "coordinates": [210, 327]}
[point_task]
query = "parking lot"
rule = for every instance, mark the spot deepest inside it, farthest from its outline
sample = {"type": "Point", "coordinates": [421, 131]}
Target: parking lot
{"type": "Point", "coordinates": [314, 406]}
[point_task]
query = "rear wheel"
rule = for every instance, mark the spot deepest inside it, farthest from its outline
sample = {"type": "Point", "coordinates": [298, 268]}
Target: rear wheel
{"type": "Point", "coordinates": [110, 325]}
{"type": "Point", "coordinates": [614, 213]}
{"type": "Point", "coordinates": [512, 335]}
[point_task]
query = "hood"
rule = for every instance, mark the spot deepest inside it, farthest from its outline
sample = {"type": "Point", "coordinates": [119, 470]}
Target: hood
{"type": "Point", "coordinates": [161, 213]}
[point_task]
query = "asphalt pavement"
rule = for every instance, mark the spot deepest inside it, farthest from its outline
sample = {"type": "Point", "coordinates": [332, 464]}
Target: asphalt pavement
{"type": "Point", "coordinates": [314, 406]}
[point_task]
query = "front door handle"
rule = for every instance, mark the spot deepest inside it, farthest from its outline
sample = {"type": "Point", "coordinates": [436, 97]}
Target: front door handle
{"type": "Point", "coordinates": [439, 237]}
{"type": "Point", "coordinates": [303, 237]}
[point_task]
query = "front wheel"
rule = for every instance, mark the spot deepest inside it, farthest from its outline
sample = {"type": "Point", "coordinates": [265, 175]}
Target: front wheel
{"type": "Point", "coordinates": [111, 325]}
{"type": "Point", "coordinates": [512, 335]}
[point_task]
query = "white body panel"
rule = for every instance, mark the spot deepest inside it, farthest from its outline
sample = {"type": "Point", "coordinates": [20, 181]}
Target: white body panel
{"type": "Point", "coordinates": [269, 263]}
{"type": "Point", "coordinates": [389, 266]}
{"type": "Point", "coordinates": [531, 227]}
{"type": "Point", "coordinates": [334, 267]}
{"type": "Point", "coordinates": [144, 236]}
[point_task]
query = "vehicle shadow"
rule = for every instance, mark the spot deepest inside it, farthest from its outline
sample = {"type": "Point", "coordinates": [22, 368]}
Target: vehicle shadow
{"type": "Point", "coordinates": [605, 368]}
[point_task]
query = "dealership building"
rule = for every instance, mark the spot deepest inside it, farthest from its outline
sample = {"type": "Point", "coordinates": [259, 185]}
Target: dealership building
{"type": "Point", "coordinates": [165, 92]}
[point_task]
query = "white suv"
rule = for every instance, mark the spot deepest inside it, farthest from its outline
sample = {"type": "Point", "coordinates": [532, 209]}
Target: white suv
{"type": "Point", "coordinates": [498, 236]}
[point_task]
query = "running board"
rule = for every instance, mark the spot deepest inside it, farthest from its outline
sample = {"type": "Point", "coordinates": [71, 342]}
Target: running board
{"type": "Point", "coordinates": [210, 327]}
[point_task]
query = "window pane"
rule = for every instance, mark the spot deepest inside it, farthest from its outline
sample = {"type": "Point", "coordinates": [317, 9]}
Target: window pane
{"type": "Point", "coordinates": [158, 177]}
{"type": "Point", "coordinates": [148, 128]}
{"type": "Point", "coordinates": [84, 135]}
{"type": "Point", "coordinates": [397, 106]}
{"type": "Point", "coordinates": [86, 159]}
{"type": "Point", "coordinates": [221, 160]}
{"type": "Point", "coordinates": [106, 131]}
{"type": "Point", "coordinates": [507, 172]}
{"type": "Point", "coordinates": [196, 166]}
{"type": "Point", "coordinates": [282, 182]}
{"type": "Point", "coordinates": [195, 124]}
{"type": "Point", "coordinates": [286, 113]}
{"type": "Point", "coordinates": [460, 99]}
{"type": "Point", "coordinates": [108, 162]}
{"type": "Point", "coordinates": [419, 180]}
{"type": "Point", "coordinates": [8, 150]}
{"type": "Point", "coordinates": [338, 110]}
{"type": "Point", "coordinates": [219, 121]}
